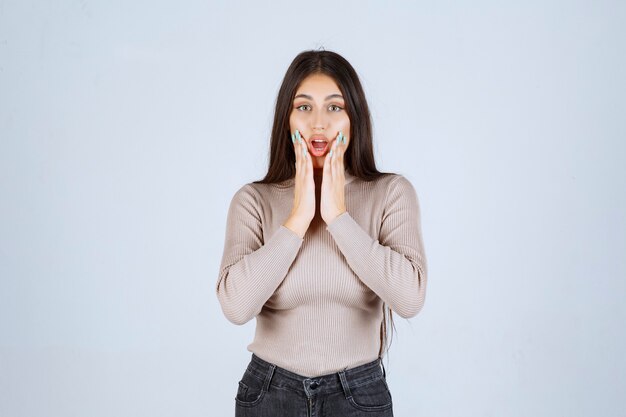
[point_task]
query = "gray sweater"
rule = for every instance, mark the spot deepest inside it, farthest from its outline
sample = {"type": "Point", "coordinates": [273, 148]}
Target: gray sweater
{"type": "Point", "coordinates": [318, 300]}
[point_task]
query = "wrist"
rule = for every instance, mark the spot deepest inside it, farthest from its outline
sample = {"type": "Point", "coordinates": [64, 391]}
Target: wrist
{"type": "Point", "coordinates": [333, 218]}
{"type": "Point", "coordinates": [297, 226]}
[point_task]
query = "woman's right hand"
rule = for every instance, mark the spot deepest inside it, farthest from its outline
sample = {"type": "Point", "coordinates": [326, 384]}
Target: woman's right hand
{"type": "Point", "coordinates": [303, 209]}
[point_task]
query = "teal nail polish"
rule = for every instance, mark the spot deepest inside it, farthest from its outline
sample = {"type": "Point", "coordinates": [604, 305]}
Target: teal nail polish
{"type": "Point", "coordinates": [304, 151]}
{"type": "Point", "coordinates": [293, 140]}
{"type": "Point", "coordinates": [298, 136]}
{"type": "Point", "coordinates": [330, 153]}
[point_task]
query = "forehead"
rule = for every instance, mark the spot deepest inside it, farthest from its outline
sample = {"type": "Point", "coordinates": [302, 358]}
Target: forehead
{"type": "Point", "coordinates": [318, 85]}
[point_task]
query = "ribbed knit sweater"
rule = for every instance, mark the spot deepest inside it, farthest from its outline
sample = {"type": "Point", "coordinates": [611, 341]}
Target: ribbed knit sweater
{"type": "Point", "coordinates": [318, 301]}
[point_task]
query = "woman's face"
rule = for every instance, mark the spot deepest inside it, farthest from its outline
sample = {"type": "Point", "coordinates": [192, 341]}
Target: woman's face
{"type": "Point", "coordinates": [318, 112]}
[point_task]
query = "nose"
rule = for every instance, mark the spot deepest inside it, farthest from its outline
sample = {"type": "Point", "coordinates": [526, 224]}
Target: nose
{"type": "Point", "coordinates": [319, 120]}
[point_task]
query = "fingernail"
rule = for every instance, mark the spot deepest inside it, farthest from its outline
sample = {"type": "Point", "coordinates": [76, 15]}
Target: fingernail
{"type": "Point", "coordinates": [330, 153]}
{"type": "Point", "coordinates": [293, 140]}
{"type": "Point", "coordinates": [298, 136]}
{"type": "Point", "coordinates": [304, 151]}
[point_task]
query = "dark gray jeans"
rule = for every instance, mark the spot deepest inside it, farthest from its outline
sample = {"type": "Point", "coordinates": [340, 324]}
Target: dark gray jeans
{"type": "Point", "coordinates": [267, 390]}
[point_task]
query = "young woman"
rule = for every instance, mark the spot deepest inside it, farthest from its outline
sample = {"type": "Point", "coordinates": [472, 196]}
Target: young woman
{"type": "Point", "coordinates": [318, 250]}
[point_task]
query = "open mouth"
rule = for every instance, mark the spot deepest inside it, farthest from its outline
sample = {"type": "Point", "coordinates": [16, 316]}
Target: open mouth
{"type": "Point", "coordinates": [319, 145]}
{"type": "Point", "coordinates": [319, 148]}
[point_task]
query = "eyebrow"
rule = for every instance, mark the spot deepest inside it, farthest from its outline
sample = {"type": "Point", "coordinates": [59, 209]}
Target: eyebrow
{"type": "Point", "coordinates": [327, 98]}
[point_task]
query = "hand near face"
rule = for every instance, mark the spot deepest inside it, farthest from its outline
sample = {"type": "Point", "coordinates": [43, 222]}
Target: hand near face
{"type": "Point", "coordinates": [333, 181]}
{"type": "Point", "coordinates": [304, 192]}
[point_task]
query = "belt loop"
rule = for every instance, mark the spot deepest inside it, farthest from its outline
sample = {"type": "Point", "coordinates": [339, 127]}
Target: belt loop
{"type": "Point", "coordinates": [344, 384]}
{"type": "Point", "coordinates": [268, 378]}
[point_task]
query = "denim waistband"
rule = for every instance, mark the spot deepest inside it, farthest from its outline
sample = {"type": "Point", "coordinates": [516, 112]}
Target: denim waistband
{"type": "Point", "coordinates": [343, 380]}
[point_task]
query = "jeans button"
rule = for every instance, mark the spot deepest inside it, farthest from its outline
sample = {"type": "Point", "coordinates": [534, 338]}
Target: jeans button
{"type": "Point", "coordinates": [314, 385]}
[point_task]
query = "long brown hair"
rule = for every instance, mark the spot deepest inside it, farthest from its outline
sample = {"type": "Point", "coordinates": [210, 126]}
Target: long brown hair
{"type": "Point", "coordinates": [359, 157]}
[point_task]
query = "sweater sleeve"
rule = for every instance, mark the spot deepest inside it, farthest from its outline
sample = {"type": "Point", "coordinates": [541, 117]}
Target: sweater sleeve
{"type": "Point", "coordinates": [251, 269]}
{"type": "Point", "coordinates": [394, 267]}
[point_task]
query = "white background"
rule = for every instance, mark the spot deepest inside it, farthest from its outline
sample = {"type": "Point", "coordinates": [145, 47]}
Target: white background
{"type": "Point", "coordinates": [126, 127]}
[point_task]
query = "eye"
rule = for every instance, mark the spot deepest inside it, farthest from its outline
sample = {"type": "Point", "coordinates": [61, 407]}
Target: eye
{"type": "Point", "coordinates": [338, 108]}
{"type": "Point", "coordinates": [302, 105]}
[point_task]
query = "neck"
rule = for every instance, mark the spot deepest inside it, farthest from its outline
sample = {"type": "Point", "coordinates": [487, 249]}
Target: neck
{"type": "Point", "coordinates": [318, 174]}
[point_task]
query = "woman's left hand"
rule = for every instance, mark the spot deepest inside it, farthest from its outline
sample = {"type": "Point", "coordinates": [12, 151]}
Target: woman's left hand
{"type": "Point", "coordinates": [333, 181]}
